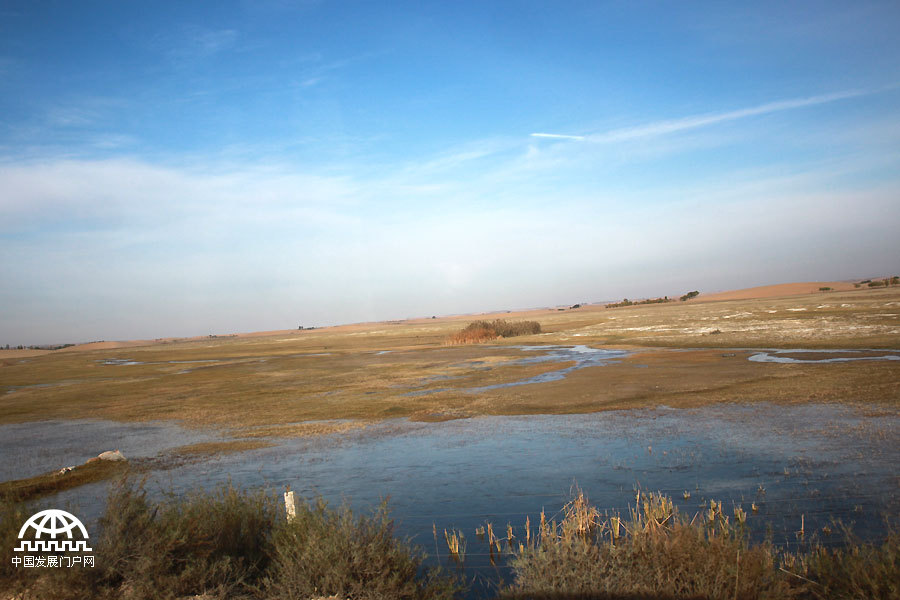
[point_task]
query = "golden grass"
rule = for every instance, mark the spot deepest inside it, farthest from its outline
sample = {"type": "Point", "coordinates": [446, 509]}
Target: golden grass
{"type": "Point", "coordinates": [224, 447]}
{"type": "Point", "coordinates": [483, 331]}
{"type": "Point", "coordinates": [332, 380]}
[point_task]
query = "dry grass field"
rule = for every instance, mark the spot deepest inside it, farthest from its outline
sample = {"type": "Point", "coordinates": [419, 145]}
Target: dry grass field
{"type": "Point", "coordinates": [331, 379]}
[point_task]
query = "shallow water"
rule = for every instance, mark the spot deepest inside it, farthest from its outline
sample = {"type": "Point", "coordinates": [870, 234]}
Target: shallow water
{"type": "Point", "coordinates": [775, 356]}
{"type": "Point", "coordinates": [582, 356]}
{"type": "Point", "coordinates": [30, 449]}
{"type": "Point", "coordinates": [818, 461]}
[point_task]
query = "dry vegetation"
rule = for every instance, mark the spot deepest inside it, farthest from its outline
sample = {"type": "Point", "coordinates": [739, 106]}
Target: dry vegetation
{"type": "Point", "coordinates": [229, 544]}
{"type": "Point", "coordinates": [484, 331]}
{"type": "Point", "coordinates": [56, 481]}
{"type": "Point", "coordinates": [331, 379]}
{"type": "Point", "coordinates": [656, 552]}
{"type": "Point", "coordinates": [235, 544]}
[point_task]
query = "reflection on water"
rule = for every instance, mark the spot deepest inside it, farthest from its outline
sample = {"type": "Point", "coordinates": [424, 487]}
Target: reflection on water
{"type": "Point", "coordinates": [812, 461]}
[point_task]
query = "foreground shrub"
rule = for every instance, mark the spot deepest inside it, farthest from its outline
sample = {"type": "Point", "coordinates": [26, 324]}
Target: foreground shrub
{"type": "Point", "coordinates": [12, 515]}
{"type": "Point", "coordinates": [855, 571]}
{"type": "Point", "coordinates": [482, 331]}
{"type": "Point", "coordinates": [231, 544]}
{"type": "Point", "coordinates": [324, 552]}
{"type": "Point", "coordinates": [216, 543]}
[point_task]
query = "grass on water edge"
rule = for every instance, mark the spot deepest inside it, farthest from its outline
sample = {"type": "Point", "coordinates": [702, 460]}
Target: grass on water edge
{"type": "Point", "coordinates": [63, 479]}
{"type": "Point", "coordinates": [234, 543]}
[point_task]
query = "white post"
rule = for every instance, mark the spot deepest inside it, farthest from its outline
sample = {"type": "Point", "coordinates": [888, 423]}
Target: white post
{"type": "Point", "coordinates": [290, 506]}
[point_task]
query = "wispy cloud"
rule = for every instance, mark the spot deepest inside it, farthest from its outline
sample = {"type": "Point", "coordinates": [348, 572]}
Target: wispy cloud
{"type": "Point", "coordinates": [659, 128]}
{"type": "Point", "coordinates": [211, 42]}
{"type": "Point", "coordinates": [558, 136]}
{"type": "Point", "coordinates": [195, 44]}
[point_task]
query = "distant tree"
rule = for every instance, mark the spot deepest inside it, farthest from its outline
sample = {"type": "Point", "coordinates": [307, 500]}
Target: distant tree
{"type": "Point", "coordinates": [690, 295]}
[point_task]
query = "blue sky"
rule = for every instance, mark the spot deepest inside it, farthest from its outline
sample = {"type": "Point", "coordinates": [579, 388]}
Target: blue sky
{"type": "Point", "coordinates": [183, 168]}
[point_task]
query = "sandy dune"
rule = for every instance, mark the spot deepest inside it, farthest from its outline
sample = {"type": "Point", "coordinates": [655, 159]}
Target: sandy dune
{"type": "Point", "coordinates": [773, 291]}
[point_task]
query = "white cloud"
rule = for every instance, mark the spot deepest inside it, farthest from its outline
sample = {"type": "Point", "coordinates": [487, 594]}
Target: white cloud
{"type": "Point", "coordinates": [558, 136]}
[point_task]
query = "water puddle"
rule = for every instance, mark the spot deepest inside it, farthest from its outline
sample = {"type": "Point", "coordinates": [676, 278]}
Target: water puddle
{"type": "Point", "coordinates": [38, 386]}
{"type": "Point", "coordinates": [121, 362]}
{"type": "Point", "coordinates": [822, 356]}
{"type": "Point", "coordinates": [582, 356]}
{"type": "Point", "coordinates": [189, 362]}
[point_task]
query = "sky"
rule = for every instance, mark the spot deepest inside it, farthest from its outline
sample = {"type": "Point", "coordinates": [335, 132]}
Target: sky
{"type": "Point", "coordinates": [192, 168]}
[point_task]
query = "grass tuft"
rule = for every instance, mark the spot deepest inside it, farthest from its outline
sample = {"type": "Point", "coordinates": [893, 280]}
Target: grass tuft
{"type": "Point", "coordinates": [482, 331]}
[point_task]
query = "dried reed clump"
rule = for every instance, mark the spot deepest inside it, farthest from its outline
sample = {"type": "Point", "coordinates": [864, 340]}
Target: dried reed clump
{"type": "Point", "coordinates": [857, 570]}
{"type": "Point", "coordinates": [456, 544]}
{"type": "Point", "coordinates": [655, 552]}
{"type": "Point", "coordinates": [482, 331]}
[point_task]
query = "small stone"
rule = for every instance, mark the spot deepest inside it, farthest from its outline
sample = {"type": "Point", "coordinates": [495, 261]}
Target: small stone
{"type": "Point", "coordinates": [113, 455]}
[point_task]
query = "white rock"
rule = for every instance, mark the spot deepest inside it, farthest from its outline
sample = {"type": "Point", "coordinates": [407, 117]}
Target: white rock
{"type": "Point", "coordinates": [111, 455]}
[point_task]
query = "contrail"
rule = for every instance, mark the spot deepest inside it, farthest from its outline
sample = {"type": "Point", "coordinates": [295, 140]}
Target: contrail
{"type": "Point", "coordinates": [671, 126]}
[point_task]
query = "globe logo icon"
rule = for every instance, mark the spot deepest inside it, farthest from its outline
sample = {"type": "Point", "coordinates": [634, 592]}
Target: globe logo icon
{"type": "Point", "coordinates": [53, 523]}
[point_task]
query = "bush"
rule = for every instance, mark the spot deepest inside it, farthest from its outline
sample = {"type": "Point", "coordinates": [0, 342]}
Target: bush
{"type": "Point", "coordinates": [690, 295]}
{"type": "Point", "coordinates": [324, 552]}
{"type": "Point", "coordinates": [230, 543]}
{"type": "Point", "coordinates": [12, 515]}
{"type": "Point", "coordinates": [216, 543]}
{"type": "Point", "coordinates": [481, 331]}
